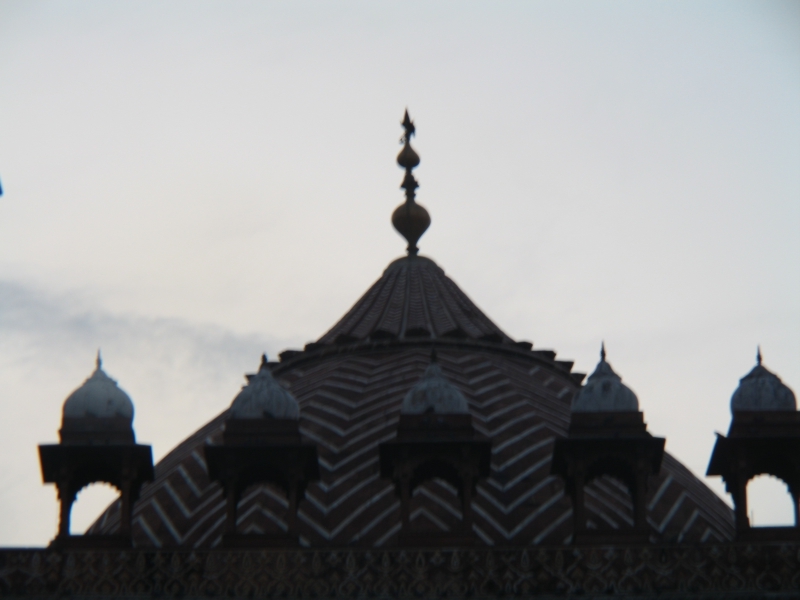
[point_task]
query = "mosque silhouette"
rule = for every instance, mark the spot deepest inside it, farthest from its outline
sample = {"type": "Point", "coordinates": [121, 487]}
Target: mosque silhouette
{"type": "Point", "coordinates": [417, 450]}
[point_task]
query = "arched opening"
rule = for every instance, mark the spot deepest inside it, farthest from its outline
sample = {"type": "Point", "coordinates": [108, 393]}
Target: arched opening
{"type": "Point", "coordinates": [769, 502]}
{"type": "Point", "coordinates": [89, 504]}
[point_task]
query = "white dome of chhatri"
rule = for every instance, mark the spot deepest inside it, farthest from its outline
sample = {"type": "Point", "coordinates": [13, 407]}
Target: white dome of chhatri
{"type": "Point", "coordinates": [99, 397]}
{"type": "Point", "coordinates": [604, 391]}
{"type": "Point", "coordinates": [263, 397]}
{"type": "Point", "coordinates": [433, 393]}
{"type": "Point", "coordinates": [761, 389]}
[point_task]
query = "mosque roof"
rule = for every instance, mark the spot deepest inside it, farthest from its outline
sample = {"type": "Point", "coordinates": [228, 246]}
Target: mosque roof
{"type": "Point", "coordinates": [351, 386]}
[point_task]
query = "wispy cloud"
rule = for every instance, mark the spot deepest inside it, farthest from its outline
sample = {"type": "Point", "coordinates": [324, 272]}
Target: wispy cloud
{"type": "Point", "coordinates": [179, 375]}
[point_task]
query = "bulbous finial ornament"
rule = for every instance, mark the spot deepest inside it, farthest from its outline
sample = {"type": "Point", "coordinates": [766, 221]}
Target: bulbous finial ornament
{"type": "Point", "coordinates": [410, 218]}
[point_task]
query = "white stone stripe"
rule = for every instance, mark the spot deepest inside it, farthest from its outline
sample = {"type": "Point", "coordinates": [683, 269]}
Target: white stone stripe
{"type": "Point", "coordinates": [660, 492]}
{"type": "Point", "coordinates": [547, 530]}
{"type": "Point", "coordinates": [493, 400]}
{"type": "Point", "coordinates": [620, 495]}
{"type": "Point", "coordinates": [481, 534]}
{"type": "Point", "coordinates": [500, 412]}
{"type": "Point", "coordinates": [422, 511]}
{"type": "Point", "coordinates": [382, 540]}
{"type": "Point", "coordinates": [520, 499]}
{"type": "Point", "coordinates": [598, 510]}
{"type": "Point", "coordinates": [148, 532]}
{"type": "Point", "coordinates": [688, 526]}
{"type": "Point", "coordinates": [218, 506]}
{"type": "Point", "coordinates": [325, 509]}
{"type": "Point", "coordinates": [502, 428]}
{"type": "Point", "coordinates": [200, 460]}
{"type": "Point", "coordinates": [597, 497]}
{"type": "Point", "coordinates": [493, 387]}
{"type": "Point", "coordinates": [672, 512]}
{"type": "Point", "coordinates": [555, 498]}
{"type": "Point", "coordinates": [166, 520]}
{"type": "Point", "coordinates": [332, 534]}
{"type": "Point", "coordinates": [177, 500]}
{"type": "Point", "coordinates": [423, 491]}
{"type": "Point", "coordinates": [526, 473]}
{"type": "Point", "coordinates": [211, 530]}
{"type": "Point", "coordinates": [393, 507]}
{"type": "Point", "coordinates": [516, 438]}
{"type": "Point", "coordinates": [524, 453]}
{"type": "Point", "coordinates": [189, 481]}
{"type": "Point", "coordinates": [257, 507]}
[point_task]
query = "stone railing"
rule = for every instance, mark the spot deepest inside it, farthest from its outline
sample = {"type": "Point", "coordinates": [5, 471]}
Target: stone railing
{"type": "Point", "coordinates": [704, 571]}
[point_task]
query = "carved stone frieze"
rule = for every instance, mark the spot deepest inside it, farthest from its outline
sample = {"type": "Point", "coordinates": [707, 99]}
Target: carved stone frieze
{"type": "Point", "coordinates": [675, 571]}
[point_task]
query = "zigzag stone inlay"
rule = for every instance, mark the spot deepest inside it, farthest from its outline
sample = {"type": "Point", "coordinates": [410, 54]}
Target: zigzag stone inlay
{"type": "Point", "coordinates": [350, 404]}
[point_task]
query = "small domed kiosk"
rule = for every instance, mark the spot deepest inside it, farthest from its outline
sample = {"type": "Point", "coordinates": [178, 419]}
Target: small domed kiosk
{"type": "Point", "coordinates": [607, 436]}
{"type": "Point", "coordinates": [97, 445]}
{"type": "Point", "coordinates": [435, 439]}
{"type": "Point", "coordinates": [763, 438]}
{"type": "Point", "coordinates": [261, 443]}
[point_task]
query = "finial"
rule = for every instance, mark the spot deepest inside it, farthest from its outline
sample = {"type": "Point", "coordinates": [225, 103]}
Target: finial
{"type": "Point", "coordinates": [99, 360]}
{"type": "Point", "coordinates": [603, 351]}
{"type": "Point", "coordinates": [758, 355]}
{"type": "Point", "coordinates": [264, 362]}
{"type": "Point", "coordinates": [410, 219]}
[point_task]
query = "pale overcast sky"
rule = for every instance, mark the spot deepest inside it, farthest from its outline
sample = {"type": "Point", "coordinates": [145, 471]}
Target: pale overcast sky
{"type": "Point", "coordinates": [188, 184]}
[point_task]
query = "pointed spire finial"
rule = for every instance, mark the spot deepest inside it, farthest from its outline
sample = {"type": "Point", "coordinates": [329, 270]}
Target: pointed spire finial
{"type": "Point", "coordinates": [603, 351]}
{"type": "Point", "coordinates": [264, 362]}
{"type": "Point", "coordinates": [410, 219]}
{"type": "Point", "coordinates": [99, 360]}
{"type": "Point", "coordinates": [758, 355]}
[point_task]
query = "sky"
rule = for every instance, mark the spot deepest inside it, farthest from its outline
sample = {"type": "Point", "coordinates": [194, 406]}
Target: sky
{"type": "Point", "coordinates": [189, 184]}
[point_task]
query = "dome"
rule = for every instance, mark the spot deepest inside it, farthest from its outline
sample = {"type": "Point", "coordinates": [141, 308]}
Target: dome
{"type": "Point", "coordinates": [351, 387]}
{"type": "Point", "coordinates": [433, 393]}
{"type": "Point", "coordinates": [761, 389]}
{"type": "Point", "coordinates": [604, 391]}
{"type": "Point", "coordinates": [99, 397]}
{"type": "Point", "coordinates": [263, 397]}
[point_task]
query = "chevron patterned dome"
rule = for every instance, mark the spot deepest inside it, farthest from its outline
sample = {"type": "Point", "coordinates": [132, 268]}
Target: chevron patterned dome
{"type": "Point", "coordinates": [350, 386]}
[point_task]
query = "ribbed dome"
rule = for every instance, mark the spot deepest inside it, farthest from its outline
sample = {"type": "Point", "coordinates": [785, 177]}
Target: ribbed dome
{"type": "Point", "coordinates": [604, 391]}
{"type": "Point", "coordinates": [98, 398]}
{"type": "Point", "coordinates": [263, 397]}
{"type": "Point", "coordinates": [761, 389]}
{"type": "Point", "coordinates": [414, 299]}
{"type": "Point", "coordinates": [433, 393]}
